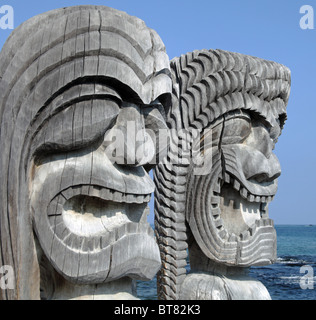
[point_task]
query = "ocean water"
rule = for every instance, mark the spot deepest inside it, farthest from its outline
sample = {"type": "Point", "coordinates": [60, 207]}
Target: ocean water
{"type": "Point", "coordinates": [296, 249]}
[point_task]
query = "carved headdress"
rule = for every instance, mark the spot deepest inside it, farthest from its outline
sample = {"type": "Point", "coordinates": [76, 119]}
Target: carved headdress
{"type": "Point", "coordinates": [237, 104]}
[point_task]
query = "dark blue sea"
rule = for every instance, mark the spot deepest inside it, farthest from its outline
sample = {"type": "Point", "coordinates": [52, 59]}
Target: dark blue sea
{"type": "Point", "coordinates": [295, 267]}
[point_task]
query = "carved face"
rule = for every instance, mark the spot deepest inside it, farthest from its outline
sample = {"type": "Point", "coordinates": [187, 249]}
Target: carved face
{"type": "Point", "coordinates": [89, 185]}
{"type": "Point", "coordinates": [234, 196]}
{"type": "Point", "coordinates": [88, 210]}
{"type": "Point", "coordinates": [238, 103]}
{"type": "Point", "coordinates": [250, 174]}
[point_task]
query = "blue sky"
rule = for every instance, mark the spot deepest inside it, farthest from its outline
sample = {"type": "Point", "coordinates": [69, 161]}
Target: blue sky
{"type": "Point", "coordinates": [267, 29]}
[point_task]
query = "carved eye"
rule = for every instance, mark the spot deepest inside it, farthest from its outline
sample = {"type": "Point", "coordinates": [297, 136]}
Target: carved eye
{"type": "Point", "coordinates": [77, 126]}
{"type": "Point", "coordinates": [236, 130]}
{"type": "Point", "coordinates": [155, 118]}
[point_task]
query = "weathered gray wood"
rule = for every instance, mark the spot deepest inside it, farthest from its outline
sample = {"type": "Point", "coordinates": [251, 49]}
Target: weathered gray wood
{"type": "Point", "coordinates": [72, 82]}
{"type": "Point", "coordinates": [71, 219]}
{"type": "Point", "coordinates": [221, 205]}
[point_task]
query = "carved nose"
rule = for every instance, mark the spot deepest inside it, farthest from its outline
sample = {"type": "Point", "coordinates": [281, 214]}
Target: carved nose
{"type": "Point", "coordinates": [257, 167]}
{"type": "Point", "coordinates": [133, 145]}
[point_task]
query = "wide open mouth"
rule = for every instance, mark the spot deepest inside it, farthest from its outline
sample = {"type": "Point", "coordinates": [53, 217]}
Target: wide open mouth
{"type": "Point", "coordinates": [91, 216]}
{"type": "Point", "coordinates": [89, 234]}
{"type": "Point", "coordinates": [238, 212]}
{"type": "Point", "coordinates": [95, 212]}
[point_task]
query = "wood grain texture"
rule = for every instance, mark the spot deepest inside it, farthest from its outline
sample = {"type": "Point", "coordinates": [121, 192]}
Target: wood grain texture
{"type": "Point", "coordinates": [65, 76]}
{"type": "Point", "coordinates": [220, 213]}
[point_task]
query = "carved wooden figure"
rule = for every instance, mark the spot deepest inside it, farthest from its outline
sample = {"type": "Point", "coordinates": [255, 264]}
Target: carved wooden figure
{"type": "Point", "coordinates": [73, 222]}
{"type": "Point", "coordinates": [233, 108]}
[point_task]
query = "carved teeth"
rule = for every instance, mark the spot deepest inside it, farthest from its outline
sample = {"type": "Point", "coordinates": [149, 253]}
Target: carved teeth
{"type": "Point", "coordinates": [244, 193]}
{"type": "Point", "coordinates": [223, 234]}
{"type": "Point", "coordinates": [105, 194]}
{"type": "Point", "coordinates": [227, 178]}
{"type": "Point", "coordinates": [251, 198]}
{"type": "Point", "coordinates": [236, 185]}
{"type": "Point", "coordinates": [252, 230]}
{"type": "Point", "coordinates": [216, 212]}
{"type": "Point", "coordinates": [117, 196]}
{"type": "Point", "coordinates": [94, 192]}
{"type": "Point", "coordinates": [217, 187]}
{"type": "Point", "coordinates": [262, 201]}
{"type": "Point", "coordinates": [264, 222]}
{"type": "Point", "coordinates": [139, 199]}
{"type": "Point", "coordinates": [244, 235]}
{"type": "Point", "coordinates": [219, 223]}
{"type": "Point", "coordinates": [232, 238]}
{"type": "Point", "coordinates": [215, 200]}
